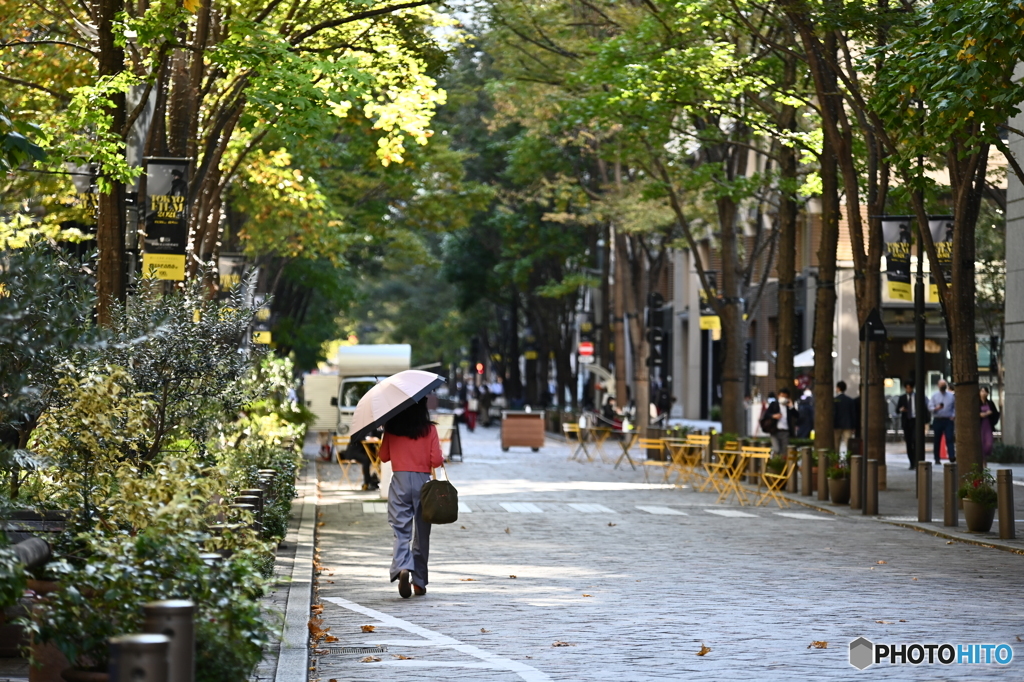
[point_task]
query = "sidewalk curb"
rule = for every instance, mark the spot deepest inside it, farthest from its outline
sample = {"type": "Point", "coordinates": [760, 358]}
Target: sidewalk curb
{"type": "Point", "coordinates": [919, 527]}
{"type": "Point", "coordinates": [293, 659]}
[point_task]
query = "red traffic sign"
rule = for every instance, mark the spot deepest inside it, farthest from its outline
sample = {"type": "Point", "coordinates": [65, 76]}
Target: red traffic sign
{"type": "Point", "coordinates": [585, 348]}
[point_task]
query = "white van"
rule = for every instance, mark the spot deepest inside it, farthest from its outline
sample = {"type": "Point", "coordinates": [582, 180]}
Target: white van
{"type": "Point", "coordinates": [359, 369]}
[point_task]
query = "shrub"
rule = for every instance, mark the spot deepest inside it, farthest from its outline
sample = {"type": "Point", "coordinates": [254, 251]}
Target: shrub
{"type": "Point", "coordinates": [979, 487]}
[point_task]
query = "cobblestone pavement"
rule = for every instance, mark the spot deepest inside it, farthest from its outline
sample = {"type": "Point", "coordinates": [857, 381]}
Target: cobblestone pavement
{"type": "Point", "coordinates": [634, 579]}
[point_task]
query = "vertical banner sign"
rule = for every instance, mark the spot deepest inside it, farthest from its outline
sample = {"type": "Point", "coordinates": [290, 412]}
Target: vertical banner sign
{"type": "Point", "coordinates": [896, 234]}
{"type": "Point", "coordinates": [709, 319]}
{"type": "Point", "coordinates": [941, 228]}
{"type": "Point", "coordinates": [166, 221]}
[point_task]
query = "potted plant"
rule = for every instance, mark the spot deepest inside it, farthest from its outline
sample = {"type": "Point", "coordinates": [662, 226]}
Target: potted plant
{"type": "Point", "coordinates": [839, 484]}
{"type": "Point", "coordinates": [979, 498]}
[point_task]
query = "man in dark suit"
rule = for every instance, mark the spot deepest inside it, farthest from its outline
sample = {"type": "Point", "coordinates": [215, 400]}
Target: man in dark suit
{"type": "Point", "coordinates": [782, 419]}
{"type": "Point", "coordinates": [908, 418]}
{"type": "Point", "coordinates": [844, 418]}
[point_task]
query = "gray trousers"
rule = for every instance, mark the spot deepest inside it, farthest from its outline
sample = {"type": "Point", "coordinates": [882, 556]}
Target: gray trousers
{"type": "Point", "coordinates": [412, 533]}
{"type": "Point", "coordinates": [780, 443]}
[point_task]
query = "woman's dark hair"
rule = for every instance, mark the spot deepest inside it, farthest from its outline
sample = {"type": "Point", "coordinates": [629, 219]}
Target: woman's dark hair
{"type": "Point", "coordinates": [412, 422]}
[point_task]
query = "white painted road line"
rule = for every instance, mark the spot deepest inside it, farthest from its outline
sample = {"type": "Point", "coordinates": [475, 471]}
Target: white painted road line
{"type": "Point", "coordinates": [493, 661]}
{"type": "Point", "coordinates": [661, 511]}
{"type": "Point", "coordinates": [731, 513]}
{"type": "Point", "coordinates": [375, 507]}
{"type": "Point", "coordinates": [811, 517]}
{"type": "Point", "coordinates": [592, 508]}
{"type": "Point", "coordinates": [464, 508]}
{"type": "Point", "coordinates": [521, 507]}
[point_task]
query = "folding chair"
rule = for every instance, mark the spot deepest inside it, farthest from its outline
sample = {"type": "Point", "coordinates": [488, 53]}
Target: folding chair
{"type": "Point", "coordinates": [692, 456]}
{"type": "Point", "coordinates": [599, 436]}
{"type": "Point", "coordinates": [773, 482]}
{"type": "Point", "coordinates": [574, 435]}
{"type": "Point", "coordinates": [717, 466]}
{"type": "Point", "coordinates": [372, 446]}
{"type": "Point", "coordinates": [734, 477]}
{"type": "Point", "coordinates": [653, 444]}
{"type": "Point", "coordinates": [628, 441]}
{"type": "Point", "coordinates": [340, 444]}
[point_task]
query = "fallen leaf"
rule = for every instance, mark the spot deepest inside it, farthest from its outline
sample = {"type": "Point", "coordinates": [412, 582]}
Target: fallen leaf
{"type": "Point", "coordinates": [704, 650]}
{"type": "Point", "coordinates": [317, 608]}
{"type": "Point", "coordinates": [322, 523]}
{"type": "Point", "coordinates": [562, 644]}
{"type": "Point", "coordinates": [316, 629]}
{"type": "Point", "coordinates": [403, 658]}
{"type": "Point", "coordinates": [588, 595]}
{"type": "Point", "coordinates": [913, 578]}
{"type": "Point", "coordinates": [468, 580]}
{"type": "Point", "coordinates": [368, 628]}
{"type": "Point", "coordinates": [512, 576]}
{"type": "Point", "coordinates": [884, 622]}
{"type": "Point", "coordinates": [818, 645]}
{"type": "Point", "coordinates": [949, 542]}
{"type": "Point", "coordinates": [462, 527]}
{"type": "Point", "coordinates": [483, 630]}
{"type": "Point", "coordinates": [330, 639]}
{"type": "Point", "coordinates": [1019, 639]}
{"type": "Point", "coordinates": [370, 659]}
{"type": "Point", "coordinates": [611, 524]}
{"type": "Point", "coordinates": [332, 680]}
{"type": "Point", "coordinates": [330, 582]}
{"type": "Point", "coordinates": [882, 562]}
{"type": "Point", "coordinates": [508, 530]}
{"type": "Point", "coordinates": [902, 620]}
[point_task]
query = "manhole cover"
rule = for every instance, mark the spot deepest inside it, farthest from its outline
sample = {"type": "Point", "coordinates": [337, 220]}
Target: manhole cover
{"type": "Point", "coordinates": [357, 650]}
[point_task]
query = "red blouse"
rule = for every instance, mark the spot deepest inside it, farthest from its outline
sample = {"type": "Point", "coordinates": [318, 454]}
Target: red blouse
{"type": "Point", "coordinates": [407, 454]}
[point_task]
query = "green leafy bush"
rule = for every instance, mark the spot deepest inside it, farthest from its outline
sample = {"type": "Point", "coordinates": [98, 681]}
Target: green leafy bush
{"type": "Point", "coordinates": [12, 576]}
{"type": "Point", "coordinates": [979, 487]}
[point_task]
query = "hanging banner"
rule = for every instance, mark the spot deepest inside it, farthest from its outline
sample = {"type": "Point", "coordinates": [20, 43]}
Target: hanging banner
{"type": "Point", "coordinates": [166, 220]}
{"type": "Point", "coordinates": [896, 235]}
{"type": "Point", "coordinates": [941, 228]}
{"type": "Point", "coordinates": [709, 319]}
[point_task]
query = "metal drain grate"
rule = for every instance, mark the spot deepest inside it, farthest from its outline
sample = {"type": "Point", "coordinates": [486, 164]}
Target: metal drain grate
{"type": "Point", "coordinates": [357, 649]}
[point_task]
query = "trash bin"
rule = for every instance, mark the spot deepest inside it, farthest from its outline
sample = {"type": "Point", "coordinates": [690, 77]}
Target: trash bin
{"type": "Point", "coordinates": [522, 429]}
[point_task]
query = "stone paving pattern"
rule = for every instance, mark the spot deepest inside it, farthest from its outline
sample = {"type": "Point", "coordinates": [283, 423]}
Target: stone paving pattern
{"type": "Point", "coordinates": [635, 595]}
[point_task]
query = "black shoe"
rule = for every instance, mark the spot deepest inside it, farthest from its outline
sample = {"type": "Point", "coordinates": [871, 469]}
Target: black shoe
{"type": "Point", "coordinates": [403, 584]}
{"type": "Point", "coordinates": [419, 591]}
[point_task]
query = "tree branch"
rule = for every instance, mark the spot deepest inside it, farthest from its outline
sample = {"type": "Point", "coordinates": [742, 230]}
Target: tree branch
{"type": "Point", "coordinates": [35, 86]}
{"type": "Point", "coordinates": [359, 16]}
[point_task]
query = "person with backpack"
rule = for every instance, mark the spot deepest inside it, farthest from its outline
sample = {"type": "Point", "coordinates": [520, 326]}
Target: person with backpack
{"type": "Point", "coordinates": [780, 421]}
{"type": "Point", "coordinates": [989, 419]}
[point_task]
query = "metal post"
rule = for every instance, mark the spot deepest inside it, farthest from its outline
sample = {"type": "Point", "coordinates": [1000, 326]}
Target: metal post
{"type": "Point", "coordinates": [138, 658]}
{"type": "Point", "coordinates": [792, 483]}
{"type": "Point", "coordinates": [920, 404]}
{"type": "Point", "coordinates": [237, 509]}
{"type": "Point", "coordinates": [805, 471]}
{"type": "Point", "coordinates": [951, 512]}
{"type": "Point", "coordinates": [871, 498]}
{"type": "Point", "coordinates": [924, 492]}
{"type": "Point", "coordinates": [822, 474]}
{"type": "Point", "coordinates": [865, 420]}
{"type": "Point", "coordinates": [1004, 489]}
{"type": "Point", "coordinates": [257, 508]}
{"type": "Point", "coordinates": [174, 618]}
{"type": "Point", "coordinates": [855, 481]}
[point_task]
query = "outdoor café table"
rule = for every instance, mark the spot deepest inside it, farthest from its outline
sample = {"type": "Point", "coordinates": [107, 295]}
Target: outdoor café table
{"type": "Point", "coordinates": [682, 459]}
{"type": "Point", "coordinates": [626, 442]}
{"type": "Point", "coordinates": [734, 476]}
{"type": "Point", "coordinates": [598, 435]}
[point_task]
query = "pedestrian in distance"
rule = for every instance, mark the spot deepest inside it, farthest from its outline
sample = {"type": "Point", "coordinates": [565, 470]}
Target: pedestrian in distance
{"type": "Point", "coordinates": [844, 419]}
{"type": "Point", "coordinates": [781, 419]}
{"type": "Point", "coordinates": [943, 407]}
{"type": "Point", "coordinates": [412, 446]}
{"type": "Point", "coordinates": [989, 419]}
{"type": "Point", "coordinates": [907, 408]}
{"type": "Point", "coordinates": [472, 408]}
{"type": "Point", "coordinates": [806, 407]}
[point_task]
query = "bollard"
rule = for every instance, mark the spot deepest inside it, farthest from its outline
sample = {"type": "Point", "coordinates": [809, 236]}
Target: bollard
{"type": "Point", "coordinates": [256, 492]}
{"type": "Point", "coordinates": [924, 492]}
{"type": "Point", "coordinates": [257, 510]}
{"type": "Point", "coordinates": [951, 512]}
{"type": "Point", "coordinates": [822, 474]}
{"type": "Point", "coordinates": [174, 618]}
{"type": "Point", "coordinates": [871, 498]}
{"type": "Point", "coordinates": [793, 482]}
{"type": "Point", "coordinates": [211, 559]}
{"type": "Point", "coordinates": [1004, 489]}
{"type": "Point", "coordinates": [805, 471]}
{"type": "Point", "coordinates": [855, 492]}
{"type": "Point", "coordinates": [237, 509]}
{"type": "Point", "coordinates": [138, 658]}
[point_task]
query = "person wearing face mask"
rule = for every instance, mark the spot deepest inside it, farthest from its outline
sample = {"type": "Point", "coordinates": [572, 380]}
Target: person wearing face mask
{"type": "Point", "coordinates": [780, 421]}
{"type": "Point", "coordinates": [943, 407]}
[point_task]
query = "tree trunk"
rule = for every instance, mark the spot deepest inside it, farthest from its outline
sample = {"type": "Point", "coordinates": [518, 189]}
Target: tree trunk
{"type": "Point", "coordinates": [733, 326]}
{"type": "Point", "coordinates": [619, 320]}
{"type": "Point", "coordinates": [825, 301]}
{"type": "Point", "coordinates": [786, 324]}
{"type": "Point", "coordinates": [514, 390]}
{"type": "Point", "coordinates": [110, 215]}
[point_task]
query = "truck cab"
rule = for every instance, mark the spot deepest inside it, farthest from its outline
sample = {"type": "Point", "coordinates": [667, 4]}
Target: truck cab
{"type": "Point", "coordinates": [359, 370]}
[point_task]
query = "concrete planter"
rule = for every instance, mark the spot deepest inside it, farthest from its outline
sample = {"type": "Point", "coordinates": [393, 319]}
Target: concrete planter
{"type": "Point", "coordinates": [979, 517]}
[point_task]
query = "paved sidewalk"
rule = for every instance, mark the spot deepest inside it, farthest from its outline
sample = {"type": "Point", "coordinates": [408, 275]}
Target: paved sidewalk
{"type": "Point", "coordinates": [633, 579]}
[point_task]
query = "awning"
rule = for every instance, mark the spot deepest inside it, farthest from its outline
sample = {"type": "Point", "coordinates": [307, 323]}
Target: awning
{"type": "Point", "coordinates": [804, 359]}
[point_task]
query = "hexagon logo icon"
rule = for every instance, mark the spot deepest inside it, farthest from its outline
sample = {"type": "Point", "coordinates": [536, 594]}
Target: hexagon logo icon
{"type": "Point", "coordinates": [862, 653]}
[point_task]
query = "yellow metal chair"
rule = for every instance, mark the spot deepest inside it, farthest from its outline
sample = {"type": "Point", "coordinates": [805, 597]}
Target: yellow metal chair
{"type": "Point", "coordinates": [734, 477]}
{"type": "Point", "coordinates": [773, 482]}
{"type": "Point", "coordinates": [692, 456]}
{"type": "Point", "coordinates": [658, 445]}
{"type": "Point", "coordinates": [574, 435]}
{"type": "Point", "coordinates": [718, 465]}
{"type": "Point", "coordinates": [340, 444]}
{"type": "Point", "coordinates": [372, 447]}
{"type": "Point", "coordinates": [598, 436]}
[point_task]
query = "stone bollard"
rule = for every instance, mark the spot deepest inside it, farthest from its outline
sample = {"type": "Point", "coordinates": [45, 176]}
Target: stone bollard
{"type": "Point", "coordinates": [924, 492]}
{"type": "Point", "coordinates": [805, 472]}
{"type": "Point", "coordinates": [257, 511]}
{"type": "Point", "coordinates": [822, 474]}
{"type": "Point", "coordinates": [237, 510]}
{"type": "Point", "coordinates": [792, 485]}
{"type": "Point", "coordinates": [175, 618]}
{"type": "Point", "coordinates": [1004, 489]}
{"type": "Point", "coordinates": [138, 658]}
{"type": "Point", "coordinates": [855, 482]}
{"type": "Point", "coordinates": [871, 498]}
{"type": "Point", "coordinates": [951, 511]}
